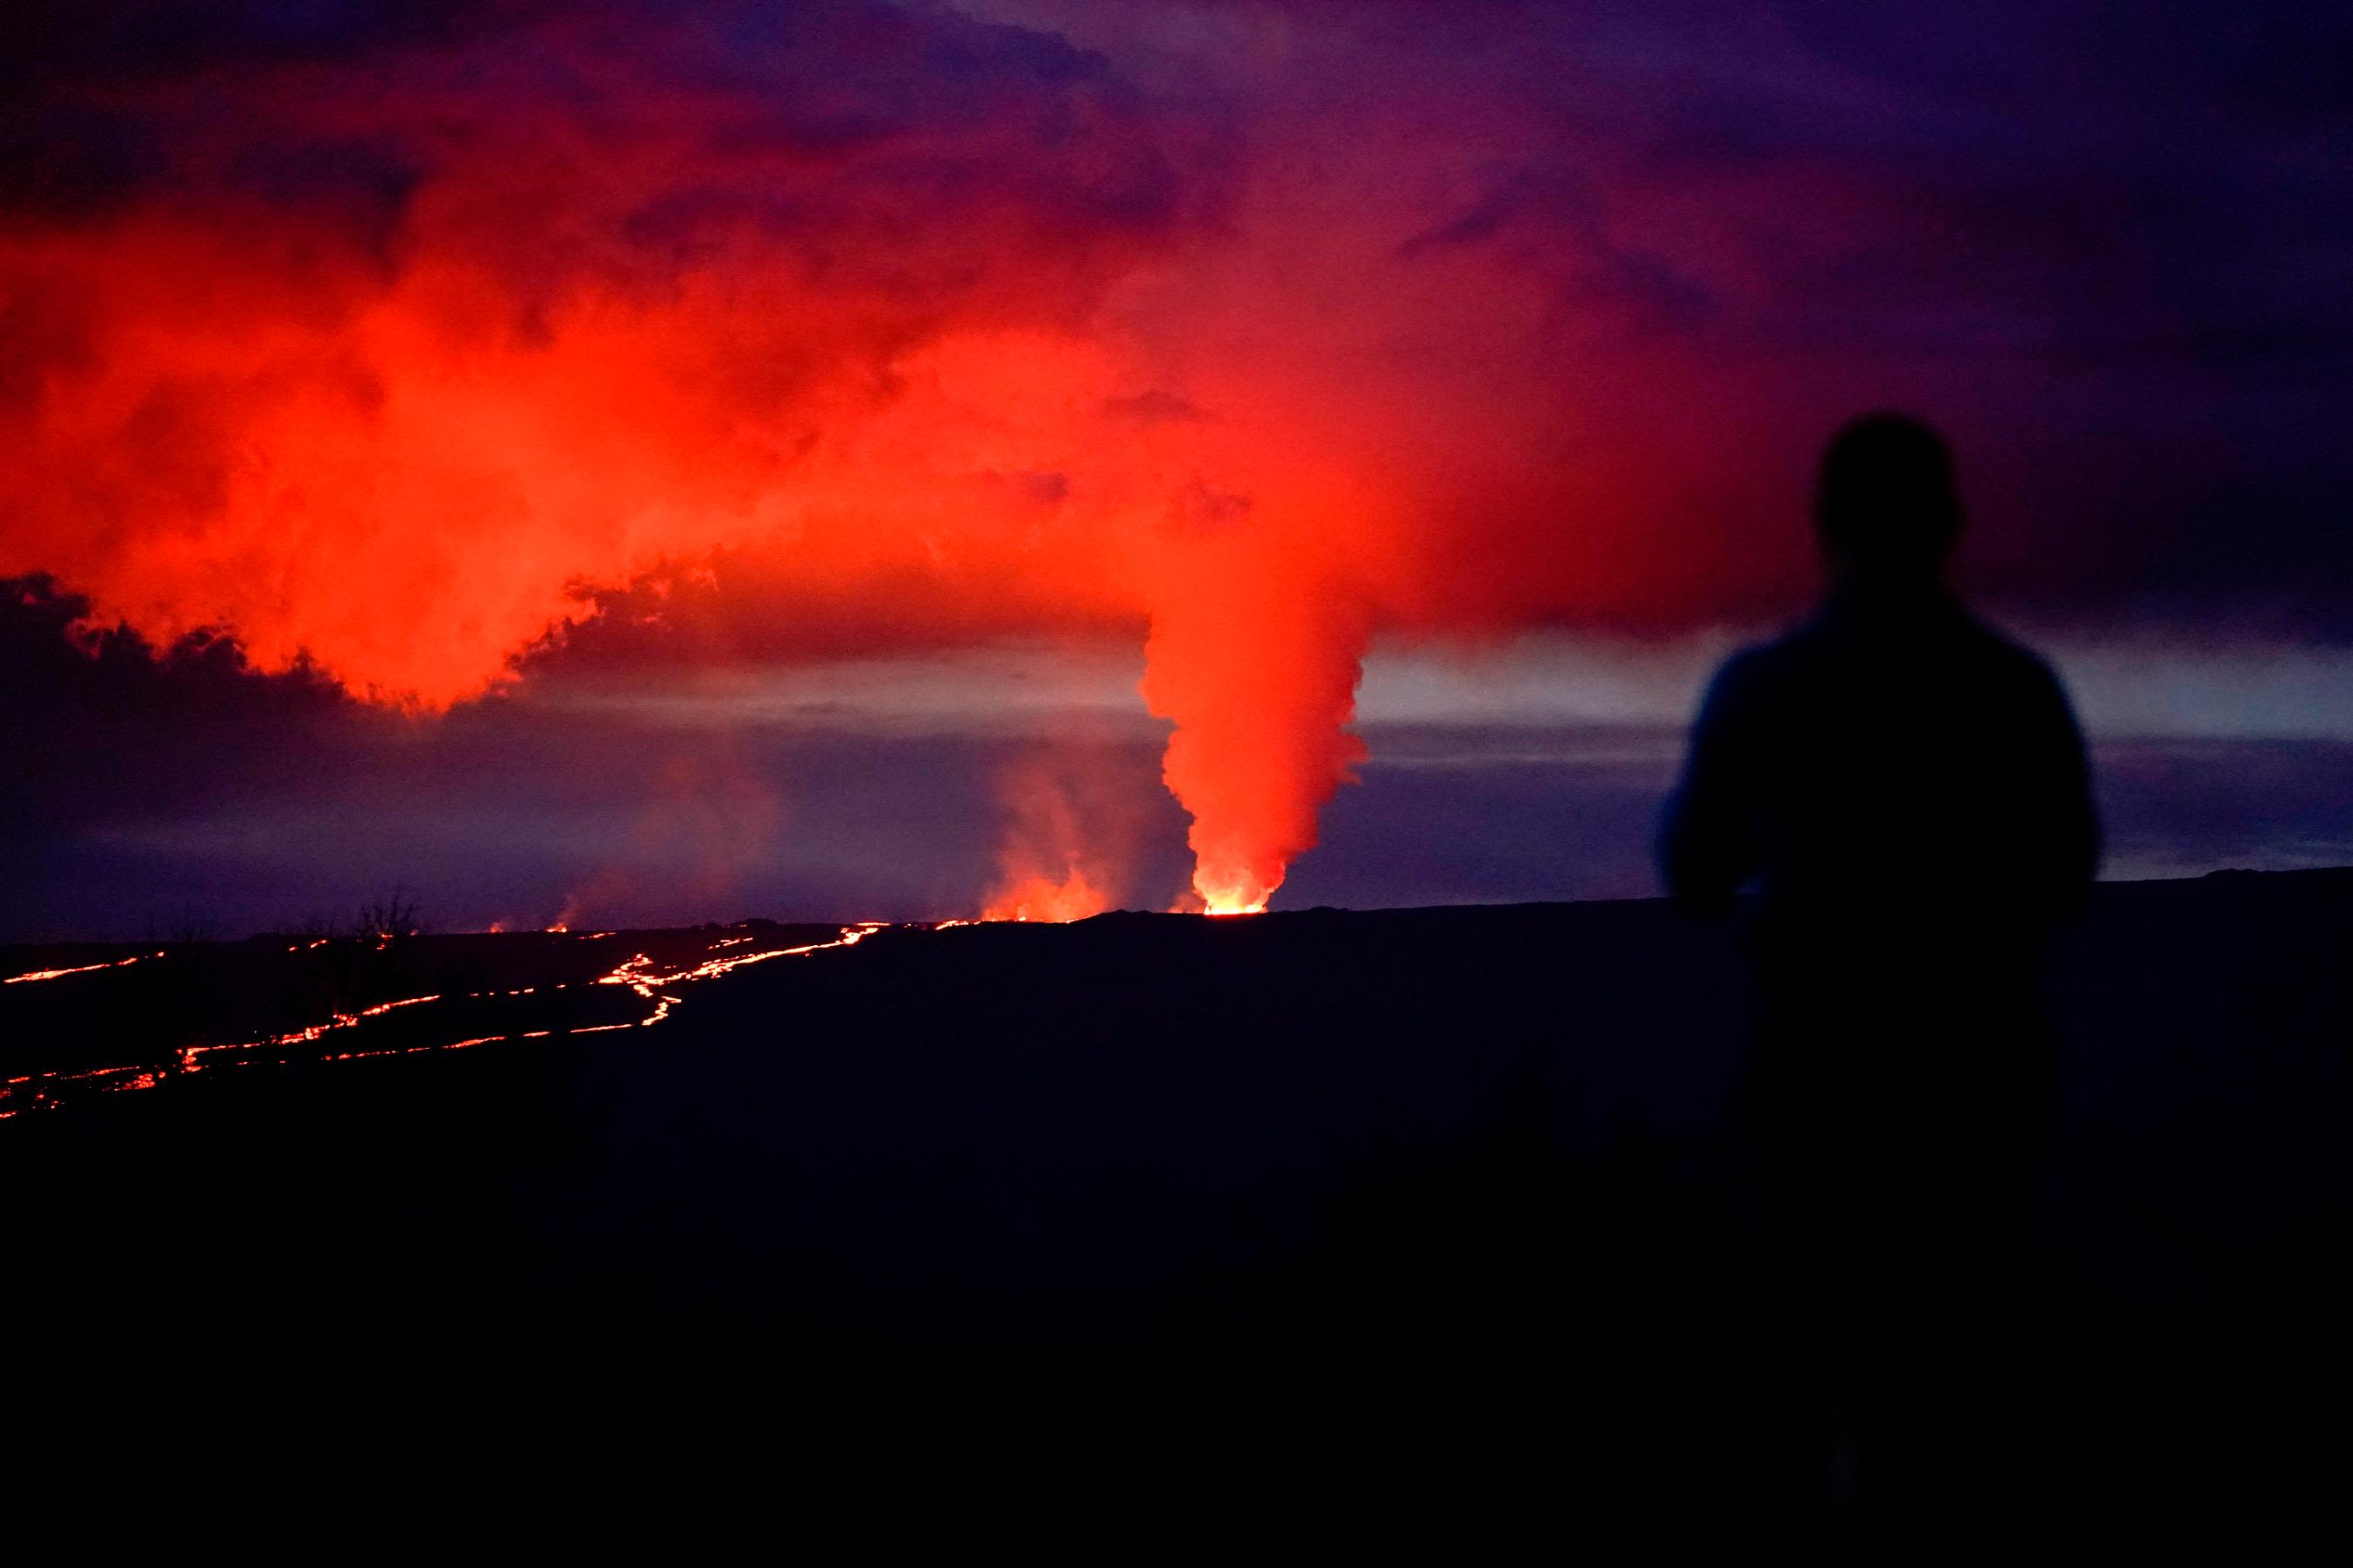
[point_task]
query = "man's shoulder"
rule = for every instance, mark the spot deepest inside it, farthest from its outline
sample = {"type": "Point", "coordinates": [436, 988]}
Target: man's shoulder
{"type": "Point", "coordinates": [2000, 651]}
{"type": "Point", "coordinates": [1750, 676]}
{"type": "Point", "coordinates": [1773, 659]}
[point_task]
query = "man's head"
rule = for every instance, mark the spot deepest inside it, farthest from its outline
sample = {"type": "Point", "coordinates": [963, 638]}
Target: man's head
{"type": "Point", "coordinates": [1884, 502]}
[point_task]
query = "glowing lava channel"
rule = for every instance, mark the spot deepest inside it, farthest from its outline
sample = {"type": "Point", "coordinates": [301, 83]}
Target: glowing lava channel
{"type": "Point", "coordinates": [637, 973]}
{"type": "Point", "coordinates": [78, 969]}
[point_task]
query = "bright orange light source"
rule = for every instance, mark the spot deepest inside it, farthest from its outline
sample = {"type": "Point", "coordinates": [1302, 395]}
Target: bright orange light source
{"type": "Point", "coordinates": [1044, 899]}
{"type": "Point", "coordinates": [1240, 895]}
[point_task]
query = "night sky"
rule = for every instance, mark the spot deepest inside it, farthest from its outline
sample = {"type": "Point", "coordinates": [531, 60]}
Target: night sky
{"type": "Point", "coordinates": [621, 464]}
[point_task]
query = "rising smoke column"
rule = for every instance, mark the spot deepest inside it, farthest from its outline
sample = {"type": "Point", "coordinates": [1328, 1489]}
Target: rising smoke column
{"type": "Point", "coordinates": [1254, 655]}
{"type": "Point", "coordinates": [1254, 769]}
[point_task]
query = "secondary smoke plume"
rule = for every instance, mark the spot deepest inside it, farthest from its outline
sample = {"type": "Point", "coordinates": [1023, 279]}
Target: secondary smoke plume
{"type": "Point", "coordinates": [1048, 869]}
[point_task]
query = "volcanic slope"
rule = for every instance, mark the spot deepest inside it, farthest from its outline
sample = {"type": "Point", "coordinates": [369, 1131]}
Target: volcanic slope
{"type": "Point", "coordinates": [1427, 1192]}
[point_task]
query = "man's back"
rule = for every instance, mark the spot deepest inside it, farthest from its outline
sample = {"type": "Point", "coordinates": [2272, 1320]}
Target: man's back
{"type": "Point", "coordinates": [1890, 757]}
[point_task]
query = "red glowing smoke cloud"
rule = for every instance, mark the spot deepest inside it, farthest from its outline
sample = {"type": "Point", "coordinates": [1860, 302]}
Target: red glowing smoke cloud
{"type": "Point", "coordinates": [991, 345]}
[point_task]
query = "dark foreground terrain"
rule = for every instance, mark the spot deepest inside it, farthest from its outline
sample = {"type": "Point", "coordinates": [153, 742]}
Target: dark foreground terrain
{"type": "Point", "coordinates": [1393, 1222]}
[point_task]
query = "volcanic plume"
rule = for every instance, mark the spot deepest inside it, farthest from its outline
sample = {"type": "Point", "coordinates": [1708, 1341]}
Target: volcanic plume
{"type": "Point", "coordinates": [396, 349]}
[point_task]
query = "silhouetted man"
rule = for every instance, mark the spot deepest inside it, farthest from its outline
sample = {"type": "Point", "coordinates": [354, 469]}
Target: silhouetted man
{"type": "Point", "coordinates": [1904, 788]}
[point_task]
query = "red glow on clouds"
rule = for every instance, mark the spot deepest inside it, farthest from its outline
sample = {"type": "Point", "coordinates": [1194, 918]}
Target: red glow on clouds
{"type": "Point", "coordinates": [1050, 358]}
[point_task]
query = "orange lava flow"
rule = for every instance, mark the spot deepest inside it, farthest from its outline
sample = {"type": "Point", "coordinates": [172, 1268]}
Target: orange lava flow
{"type": "Point", "coordinates": [49, 1091]}
{"type": "Point", "coordinates": [78, 969]}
